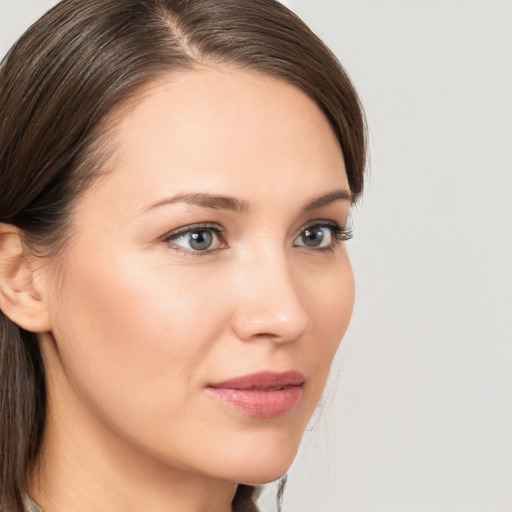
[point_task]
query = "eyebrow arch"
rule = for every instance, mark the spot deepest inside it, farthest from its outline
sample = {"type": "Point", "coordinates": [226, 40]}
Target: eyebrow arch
{"type": "Point", "coordinates": [204, 200]}
{"type": "Point", "coordinates": [329, 198]}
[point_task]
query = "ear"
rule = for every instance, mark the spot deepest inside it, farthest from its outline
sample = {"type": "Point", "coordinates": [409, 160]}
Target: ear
{"type": "Point", "coordinates": [22, 297]}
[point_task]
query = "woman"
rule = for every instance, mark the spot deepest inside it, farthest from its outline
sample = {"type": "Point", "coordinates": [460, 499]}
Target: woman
{"type": "Point", "coordinates": [176, 180]}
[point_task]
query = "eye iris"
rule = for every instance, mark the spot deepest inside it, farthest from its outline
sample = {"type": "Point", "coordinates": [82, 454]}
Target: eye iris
{"type": "Point", "coordinates": [201, 240]}
{"type": "Point", "coordinates": [313, 237]}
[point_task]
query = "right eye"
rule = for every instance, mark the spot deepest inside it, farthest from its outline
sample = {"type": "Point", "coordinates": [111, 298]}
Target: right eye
{"type": "Point", "coordinates": [197, 239]}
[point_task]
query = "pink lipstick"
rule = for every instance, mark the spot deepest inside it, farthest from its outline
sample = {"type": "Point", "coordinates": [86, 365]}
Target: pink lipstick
{"type": "Point", "coordinates": [263, 395]}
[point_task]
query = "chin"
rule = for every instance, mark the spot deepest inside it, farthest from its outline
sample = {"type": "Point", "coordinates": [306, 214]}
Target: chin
{"type": "Point", "coordinates": [265, 477]}
{"type": "Point", "coordinates": [256, 475]}
{"type": "Point", "coordinates": [261, 462]}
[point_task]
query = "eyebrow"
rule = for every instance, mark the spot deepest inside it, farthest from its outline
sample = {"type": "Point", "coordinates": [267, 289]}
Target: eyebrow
{"type": "Point", "coordinates": [331, 197]}
{"type": "Point", "coordinates": [205, 200]}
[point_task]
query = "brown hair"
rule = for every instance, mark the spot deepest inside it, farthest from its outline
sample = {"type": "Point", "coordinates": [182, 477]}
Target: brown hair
{"type": "Point", "coordinates": [59, 83]}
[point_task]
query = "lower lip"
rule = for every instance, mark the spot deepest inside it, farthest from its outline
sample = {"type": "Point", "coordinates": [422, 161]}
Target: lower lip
{"type": "Point", "coordinates": [261, 404]}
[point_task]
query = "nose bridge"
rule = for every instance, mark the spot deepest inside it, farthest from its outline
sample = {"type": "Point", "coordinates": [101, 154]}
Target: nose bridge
{"type": "Point", "coordinates": [269, 297]}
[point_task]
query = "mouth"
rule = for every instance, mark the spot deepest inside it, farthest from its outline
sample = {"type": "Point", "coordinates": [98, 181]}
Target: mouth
{"type": "Point", "coordinates": [262, 395]}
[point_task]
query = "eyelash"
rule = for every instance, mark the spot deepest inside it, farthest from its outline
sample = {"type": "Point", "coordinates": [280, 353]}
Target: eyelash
{"type": "Point", "coordinates": [339, 234]}
{"type": "Point", "coordinates": [194, 228]}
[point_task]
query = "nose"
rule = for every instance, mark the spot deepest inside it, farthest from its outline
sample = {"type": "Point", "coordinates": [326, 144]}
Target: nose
{"type": "Point", "coordinates": [269, 300]}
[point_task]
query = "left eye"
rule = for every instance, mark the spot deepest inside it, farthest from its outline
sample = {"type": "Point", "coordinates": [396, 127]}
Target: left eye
{"type": "Point", "coordinates": [316, 237]}
{"type": "Point", "coordinates": [200, 239]}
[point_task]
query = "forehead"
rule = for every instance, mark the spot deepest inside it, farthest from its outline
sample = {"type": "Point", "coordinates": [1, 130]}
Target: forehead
{"type": "Point", "coordinates": [231, 129]}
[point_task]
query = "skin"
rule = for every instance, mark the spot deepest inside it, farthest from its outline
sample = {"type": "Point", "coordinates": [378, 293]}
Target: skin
{"type": "Point", "coordinates": [140, 323]}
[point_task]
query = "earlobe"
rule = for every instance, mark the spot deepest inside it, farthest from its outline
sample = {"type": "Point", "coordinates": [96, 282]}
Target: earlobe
{"type": "Point", "coordinates": [21, 298]}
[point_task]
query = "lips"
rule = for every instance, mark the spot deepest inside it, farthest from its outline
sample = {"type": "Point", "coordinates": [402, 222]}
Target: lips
{"type": "Point", "coordinates": [263, 395]}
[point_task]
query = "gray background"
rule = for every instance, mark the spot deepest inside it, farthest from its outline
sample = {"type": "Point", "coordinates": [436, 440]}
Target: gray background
{"type": "Point", "coordinates": [418, 415]}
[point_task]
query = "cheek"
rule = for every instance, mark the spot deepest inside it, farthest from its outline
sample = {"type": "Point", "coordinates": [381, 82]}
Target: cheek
{"type": "Point", "coordinates": [331, 305]}
{"type": "Point", "coordinates": [136, 333]}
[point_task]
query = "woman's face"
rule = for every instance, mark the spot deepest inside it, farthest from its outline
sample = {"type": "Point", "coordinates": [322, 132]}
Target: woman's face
{"type": "Point", "coordinates": [210, 250]}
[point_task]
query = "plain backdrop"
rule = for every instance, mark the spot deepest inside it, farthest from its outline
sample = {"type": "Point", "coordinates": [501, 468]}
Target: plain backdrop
{"type": "Point", "coordinates": [418, 414]}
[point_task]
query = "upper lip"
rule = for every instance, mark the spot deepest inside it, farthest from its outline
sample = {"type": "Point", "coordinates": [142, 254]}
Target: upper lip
{"type": "Point", "coordinates": [262, 381]}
